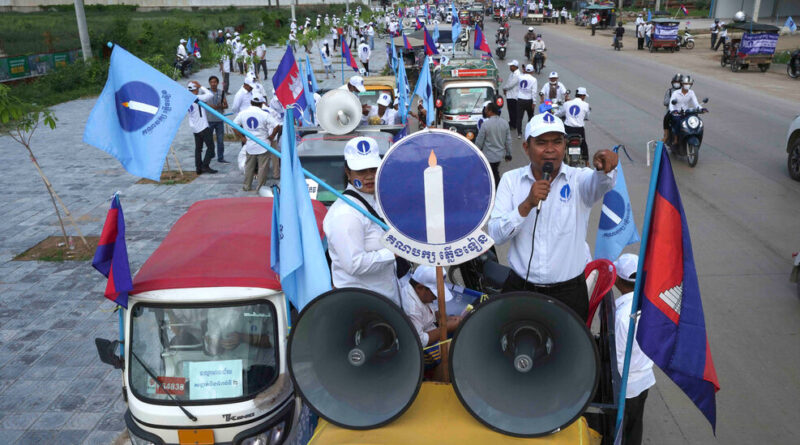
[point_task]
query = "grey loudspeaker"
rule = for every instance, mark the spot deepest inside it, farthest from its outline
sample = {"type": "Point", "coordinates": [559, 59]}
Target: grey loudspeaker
{"type": "Point", "coordinates": [524, 364]}
{"type": "Point", "coordinates": [355, 358]}
{"type": "Point", "coordinates": [339, 112]}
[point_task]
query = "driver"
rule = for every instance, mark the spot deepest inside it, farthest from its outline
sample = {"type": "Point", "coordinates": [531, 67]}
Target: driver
{"type": "Point", "coordinates": [530, 36]}
{"type": "Point", "coordinates": [674, 86]}
{"type": "Point", "coordinates": [680, 101]}
{"type": "Point", "coordinates": [539, 47]}
{"type": "Point", "coordinates": [554, 90]}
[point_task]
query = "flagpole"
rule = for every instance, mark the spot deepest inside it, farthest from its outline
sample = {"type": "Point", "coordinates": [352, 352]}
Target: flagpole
{"type": "Point", "coordinates": [341, 46]}
{"type": "Point", "coordinates": [305, 172]}
{"type": "Point", "coordinates": [637, 289]}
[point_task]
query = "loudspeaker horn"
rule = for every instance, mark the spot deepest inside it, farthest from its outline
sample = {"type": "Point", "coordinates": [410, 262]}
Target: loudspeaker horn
{"type": "Point", "coordinates": [339, 112]}
{"type": "Point", "coordinates": [355, 358]}
{"type": "Point", "coordinates": [524, 364]}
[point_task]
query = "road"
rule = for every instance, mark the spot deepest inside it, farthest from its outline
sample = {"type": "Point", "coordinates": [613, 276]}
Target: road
{"type": "Point", "coordinates": [743, 211]}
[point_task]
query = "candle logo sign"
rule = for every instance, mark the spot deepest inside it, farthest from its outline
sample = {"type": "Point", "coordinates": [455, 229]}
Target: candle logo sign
{"type": "Point", "coordinates": [137, 104]}
{"type": "Point", "coordinates": [436, 191]}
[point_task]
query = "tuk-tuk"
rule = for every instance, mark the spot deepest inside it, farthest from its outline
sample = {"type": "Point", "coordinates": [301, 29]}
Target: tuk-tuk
{"type": "Point", "coordinates": [460, 90]}
{"type": "Point", "coordinates": [755, 46]}
{"type": "Point", "coordinates": [497, 13]}
{"type": "Point", "coordinates": [606, 13]}
{"type": "Point", "coordinates": [375, 85]}
{"type": "Point", "coordinates": [463, 17]}
{"type": "Point", "coordinates": [532, 16]}
{"type": "Point", "coordinates": [665, 35]}
{"type": "Point", "coordinates": [204, 345]}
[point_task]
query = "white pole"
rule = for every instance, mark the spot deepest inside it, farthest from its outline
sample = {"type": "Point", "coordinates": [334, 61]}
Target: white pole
{"type": "Point", "coordinates": [83, 31]}
{"type": "Point", "coordinates": [756, 7]}
{"type": "Point", "coordinates": [658, 5]}
{"type": "Point", "coordinates": [293, 17]}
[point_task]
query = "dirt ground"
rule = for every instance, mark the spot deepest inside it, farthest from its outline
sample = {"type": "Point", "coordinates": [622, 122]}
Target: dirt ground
{"type": "Point", "coordinates": [700, 60]}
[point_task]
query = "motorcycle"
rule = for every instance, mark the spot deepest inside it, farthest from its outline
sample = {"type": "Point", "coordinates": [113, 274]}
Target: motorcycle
{"type": "Point", "coordinates": [793, 67]}
{"type": "Point", "coordinates": [617, 43]}
{"type": "Point", "coordinates": [690, 133]}
{"type": "Point", "coordinates": [186, 64]}
{"type": "Point", "coordinates": [538, 61]}
{"type": "Point", "coordinates": [572, 155]}
{"type": "Point", "coordinates": [794, 277]}
{"type": "Point", "coordinates": [501, 49]}
{"type": "Point", "coordinates": [686, 40]}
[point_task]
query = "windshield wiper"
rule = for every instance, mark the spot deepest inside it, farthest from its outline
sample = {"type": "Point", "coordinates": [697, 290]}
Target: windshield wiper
{"type": "Point", "coordinates": [160, 385]}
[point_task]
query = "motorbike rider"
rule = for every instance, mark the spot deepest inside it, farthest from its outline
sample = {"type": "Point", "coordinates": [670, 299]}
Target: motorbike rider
{"type": "Point", "coordinates": [554, 90]}
{"type": "Point", "coordinates": [577, 111]}
{"type": "Point", "coordinates": [675, 85]}
{"type": "Point", "coordinates": [182, 57]}
{"type": "Point", "coordinates": [539, 46]}
{"type": "Point", "coordinates": [680, 101]}
{"type": "Point", "coordinates": [619, 31]}
{"type": "Point", "coordinates": [530, 36]}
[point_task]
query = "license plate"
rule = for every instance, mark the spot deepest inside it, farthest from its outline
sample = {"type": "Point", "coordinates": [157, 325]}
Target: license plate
{"type": "Point", "coordinates": [574, 151]}
{"type": "Point", "coordinates": [198, 437]}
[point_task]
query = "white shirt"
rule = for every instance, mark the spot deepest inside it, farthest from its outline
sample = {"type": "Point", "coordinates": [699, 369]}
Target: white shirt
{"type": "Point", "coordinates": [723, 32]}
{"type": "Point", "coordinates": [241, 100]}
{"type": "Point", "coordinates": [561, 231]}
{"type": "Point", "coordinates": [259, 123]}
{"type": "Point", "coordinates": [640, 373]}
{"type": "Point", "coordinates": [560, 92]}
{"type": "Point", "coordinates": [512, 85]}
{"type": "Point", "coordinates": [527, 87]}
{"type": "Point", "coordinates": [226, 63]}
{"type": "Point", "coordinates": [538, 45]}
{"type": "Point", "coordinates": [684, 101]}
{"type": "Point", "coordinates": [421, 315]}
{"type": "Point", "coordinates": [574, 117]}
{"type": "Point", "coordinates": [261, 51]}
{"type": "Point", "coordinates": [364, 52]}
{"type": "Point", "coordinates": [181, 51]}
{"type": "Point", "coordinates": [594, 20]}
{"type": "Point", "coordinates": [389, 116]}
{"type": "Point", "coordinates": [198, 120]}
{"type": "Point", "coordinates": [358, 258]}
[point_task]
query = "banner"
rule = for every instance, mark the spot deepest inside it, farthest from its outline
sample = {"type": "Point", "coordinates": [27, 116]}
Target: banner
{"type": "Point", "coordinates": [757, 44]}
{"type": "Point", "coordinates": [666, 32]}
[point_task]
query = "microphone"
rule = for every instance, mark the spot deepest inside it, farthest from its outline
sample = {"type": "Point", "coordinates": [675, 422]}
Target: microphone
{"type": "Point", "coordinates": [547, 168]}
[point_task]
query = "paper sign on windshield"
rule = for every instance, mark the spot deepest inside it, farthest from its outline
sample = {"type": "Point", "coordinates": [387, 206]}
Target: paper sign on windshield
{"type": "Point", "coordinates": [215, 380]}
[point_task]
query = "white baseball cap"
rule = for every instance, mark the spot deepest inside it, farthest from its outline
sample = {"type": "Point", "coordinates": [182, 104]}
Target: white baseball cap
{"type": "Point", "coordinates": [426, 276]}
{"type": "Point", "coordinates": [362, 153]}
{"type": "Point", "coordinates": [183, 40]}
{"type": "Point", "coordinates": [258, 97]}
{"type": "Point", "coordinates": [552, 74]}
{"type": "Point", "coordinates": [384, 99]}
{"type": "Point", "coordinates": [513, 63]}
{"type": "Point", "coordinates": [529, 67]}
{"type": "Point", "coordinates": [581, 92]}
{"type": "Point", "coordinates": [191, 86]}
{"type": "Point", "coordinates": [358, 82]}
{"type": "Point", "coordinates": [543, 123]}
{"type": "Point", "coordinates": [626, 266]}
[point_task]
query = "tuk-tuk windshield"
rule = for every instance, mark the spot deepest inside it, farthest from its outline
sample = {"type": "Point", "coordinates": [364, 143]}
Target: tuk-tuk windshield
{"type": "Point", "coordinates": [466, 100]}
{"type": "Point", "coordinates": [370, 97]}
{"type": "Point", "coordinates": [202, 353]}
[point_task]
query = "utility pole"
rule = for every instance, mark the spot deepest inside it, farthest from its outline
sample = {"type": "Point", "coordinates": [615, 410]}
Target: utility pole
{"type": "Point", "coordinates": [293, 17]}
{"type": "Point", "coordinates": [756, 7]}
{"type": "Point", "coordinates": [658, 5]}
{"type": "Point", "coordinates": [83, 31]}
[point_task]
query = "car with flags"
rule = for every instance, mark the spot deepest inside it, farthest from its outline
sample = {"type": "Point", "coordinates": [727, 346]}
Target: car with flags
{"type": "Point", "coordinates": [461, 88]}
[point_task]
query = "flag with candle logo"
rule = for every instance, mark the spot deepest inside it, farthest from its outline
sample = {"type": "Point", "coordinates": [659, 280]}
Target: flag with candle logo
{"type": "Point", "coordinates": [617, 227]}
{"type": "Point", "coordinates": [456, 30]}
{"type": "Point", "coordinates": [402, 91]}
{"type": "Point", "coordinates": [111, 256]}
{"type": "Point", "coordinates": [480, 41]}
{"type": "Point", "coordinates": [425, 91]}
{"type": "Point", "coordinates": [790, 24]}
{"type": "Point", "coordinates": [436, 32]}
{"type": "Point", "coordinates": [137, 115]}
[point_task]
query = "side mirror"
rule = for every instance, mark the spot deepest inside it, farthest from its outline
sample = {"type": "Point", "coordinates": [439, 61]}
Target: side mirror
{"type": "Point", "coordinates": [674, 101]}
{"type": "Point", "coordinates": [705, 101]}
{"type": "Point", "coordinates": [569, 92]}
{"type": "Point", "coordinates": [107, 350]}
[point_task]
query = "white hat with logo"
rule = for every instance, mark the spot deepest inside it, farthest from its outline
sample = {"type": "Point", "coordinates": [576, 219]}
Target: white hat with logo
{"type": "Point", "coordinates": [384, 99]}
{"type": "Point", "coordinates": [626, 265]}
{"type": "Point", "coordinates": [543, 123]}
{"type": "Point", "coordinates": [581, 92]}
{"type": "Point", "coordinates": [426, 276]}
{"type": "Point", "coordinates": [358, 82]}
{"type": "Point", "coordinates": [362, 153]}
{"type": "Point", "coordinates": [514, 62]}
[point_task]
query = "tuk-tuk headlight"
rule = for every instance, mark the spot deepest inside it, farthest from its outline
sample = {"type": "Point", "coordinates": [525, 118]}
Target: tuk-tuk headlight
{"type": "Point", "coordinates": [272, 436]}
{"type": "Point", "coordinates": [470, 135]}
{"type": "Point", "coordinates": [693, 122]}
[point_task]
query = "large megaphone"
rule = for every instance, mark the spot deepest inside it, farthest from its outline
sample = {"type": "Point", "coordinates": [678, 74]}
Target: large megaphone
{"type": "Point", "coordinates": [339, 112]}
{"type": "Point", "coordinates": [355, 358]}
{"type": "Point", "coordinates": [524, 364]}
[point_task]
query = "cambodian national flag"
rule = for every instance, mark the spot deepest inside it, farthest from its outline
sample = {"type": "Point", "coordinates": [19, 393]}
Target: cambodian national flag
{"type": "Point", "coordinates": [406, 45]}
{"type": "Point", "coordinates": [111, 256]}
{"type": "Point", "coordinates": [430, 47]}
{"type": "Point", "coordinates": [684, 10]}
{"type": "Point", "coordinates": [419, 24]}
{"type": "Point", "coordinates": [347, 55]}
{"type": "Point", "coordinates": [480, 41]}
{"type": "Point", "coordinates": [288, 84]}
{"type": "Point", "coordinates": [672, 330]}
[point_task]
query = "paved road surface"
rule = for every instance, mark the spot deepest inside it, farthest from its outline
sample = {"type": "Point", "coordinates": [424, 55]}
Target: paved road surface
{"type": "Point", "coordinates": [743, 212]}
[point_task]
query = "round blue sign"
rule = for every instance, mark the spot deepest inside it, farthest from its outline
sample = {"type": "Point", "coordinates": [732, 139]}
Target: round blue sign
{"type": "Point", "coordinates": [613, 210]}
{"type": "Point", "coordinates": [574, 110]}
{"type": "Point", "coordinates": [137, 104]}
{"type": "Point", "coordinates": [434, 175]}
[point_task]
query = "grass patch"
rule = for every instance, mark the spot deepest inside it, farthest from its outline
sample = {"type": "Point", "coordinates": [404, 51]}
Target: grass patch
{"type": "Point", "coordinates": [172, 177]}
{"type": "Point", "coordinates": [54, 249]}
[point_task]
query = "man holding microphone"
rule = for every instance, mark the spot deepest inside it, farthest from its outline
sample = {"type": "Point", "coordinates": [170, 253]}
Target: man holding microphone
{"type": "Point", "coordinates": [543, 209]}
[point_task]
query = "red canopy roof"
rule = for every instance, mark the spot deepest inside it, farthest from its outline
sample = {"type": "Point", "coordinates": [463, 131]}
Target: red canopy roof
{"type": "Point", "coordinates": [217, 243]}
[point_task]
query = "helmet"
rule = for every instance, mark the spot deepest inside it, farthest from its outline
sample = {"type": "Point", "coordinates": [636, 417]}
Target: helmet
{"type": "Point", "coordinates": [676, 78]}
{"type": "Point", "coordinates": [687, 79]}
{"type": "Point", "coordinates": [530, 29]}
{"type": "Point", "coordinates": [739, 17]}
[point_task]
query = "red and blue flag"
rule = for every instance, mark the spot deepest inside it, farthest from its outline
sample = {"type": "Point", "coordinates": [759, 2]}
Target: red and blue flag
{"type": "Point", "coordinates": [348, 56]}
{"type": "Point", "coordinates": [480, 41]}
{"type": "Point", "coordinates": [430, 47]}
{"type": "Point", "coordinates": [111, 256]}
{"type": "Point", "coordinates": [419, 24]}
{"type": "Point", "coordinates": [685, 10]}
{"type": "Point", "coordinates": [406, 45]}
{"type": "Point", "coordinates": [672, 330]}
{"type": "Point", "coordinates": [288, 84]}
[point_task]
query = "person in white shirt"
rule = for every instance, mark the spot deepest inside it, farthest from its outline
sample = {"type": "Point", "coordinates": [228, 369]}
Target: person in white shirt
{"type": "Point", "coordinates": [639, 20]}
{"type": "Point", "coordinates": [198, 121]}
{"type": "Point", "coordinates": [358, 257]}
{"type": "Point", "coordinates": [417, 296]}
{"type": "Point", "coordinates": [593, 22]}
{"type": "Point", "coordinates": [242, 98]}
{"type": "Point", "coordinates": [640, 373]}
{"type": "Point", "coordinates": [371, 35]}
{"type": "Point", "coordinates": [554, 91]}
{"type": "Point", "coordinates": [182, 56]}
{"type": "Point", "coordinates": [538, 46]}
{"type": "Point", "coordinates": [715, 27]}
{"type": "Point", "coordinates": [364, 54]}
{"type": "Point", "coordinates": [511, 90]}
{"type": "Point", "coordinates": [261, 59]}
{"type": "Point", "coordinates": [723, 35]}
{"type": "Point", "coordinates": [648, 34]}
{"type": "Point", "coordinates": [382, 113]}
{"type": "Point", "coordinates": [526, 97]}
{"type": "Point", "coordinates": [325, 55]}
{"type": "Point", "coordinates": [263, 126]}
{"type": "Point", "coordinates": [576, 111]}
{"type": "Point", "coordinates": [551, 258]}
{"type": "Point", "coordinates": [681, 100]}
{"type": "Point", "coordinates": [225, 65]}
{"type": "Point", "coordinates": [564, 15]}
{"type": "Point", "coordinates": [293, 25]}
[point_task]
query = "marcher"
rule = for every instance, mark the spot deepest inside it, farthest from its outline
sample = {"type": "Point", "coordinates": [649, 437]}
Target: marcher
{"type": "Point", "coordinates": [263, 126]}
{"type": "Point", "coordinates": [715, 27]}
{"type": "Point", "coordinates": [528, 87]}
{"type": "Point", "coordinates": [325, 54]}
{"type": "Point", "coordinates": [723, 36]}
{"type": "Point", "coordinates": [417, 295]}
{"type": "Point", "coordinates": [202, 133]}
{"type": "Point", "coordinates": [511, 90]}
{"type": "Point", "coordinates": [494, 139]}
{"type": "Point", "coordinates": [576, 111]}
{"type": "Point", "coordinates": [640, 372]}
{"type": "Point", "coordinates": [550, 259]}
{"type": "Point", "coordinates": [358, 257]}
{"type": "Point", "coordinates": [594, 23]}
{"type": "Point", "coordinates": [261, 59]}
{"type": "Point", "coordinates": [619, 31]}
{"type": "Point", "coordinates": [371, 35]}
{"type": "Point", "coordinates": [225, 67]}
{"type": "Point", "coordinates": [243, 97]}
{"type": "Point", "coordinates": [640, 36]}
{"type": "Point", "coordinates": [364, 54]}
{"type": "Point", "coordinates": [219, 102]}
{"type": "Point", "coordinates": [648, 34]}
